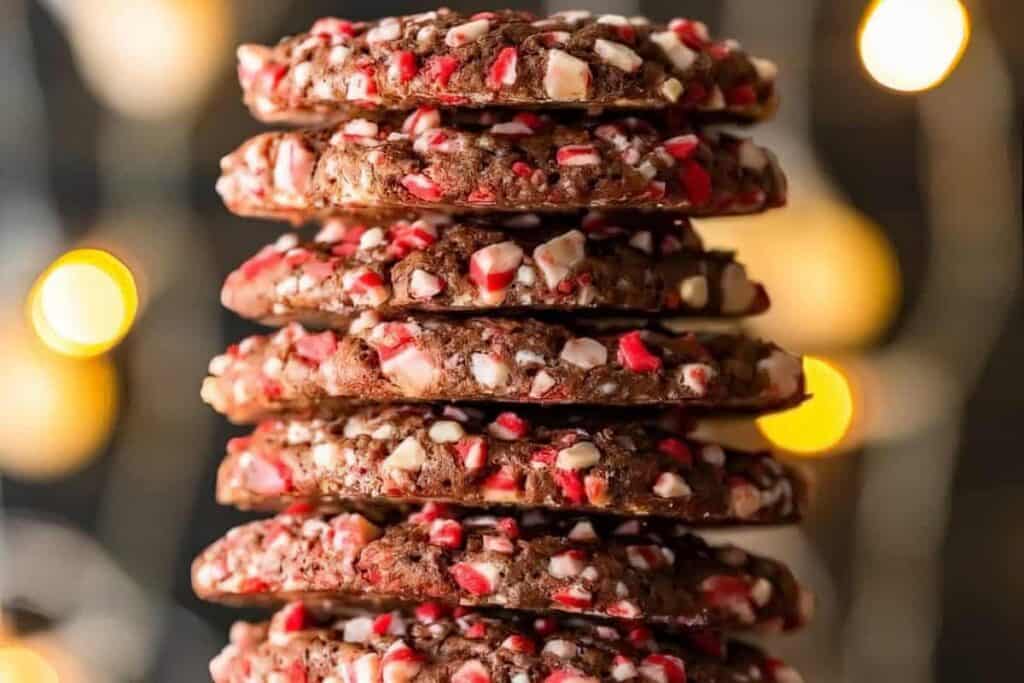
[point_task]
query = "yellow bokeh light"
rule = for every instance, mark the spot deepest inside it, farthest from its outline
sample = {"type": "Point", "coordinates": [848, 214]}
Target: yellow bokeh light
{"type": "Point", "coordinates": [151, 58]}
{"type": "Point", "coordinates": [831, 272]}
{"type": "Point", "coordinates": [819, 424]}
{"type": "Point", "coordinates": [62, 412]}
{"type": "Point", "coordinates": [913, 45]}
{"type": "Point", "coordinates": [84, 303]}
{"type": "Point", "coordinates": [22, 665]}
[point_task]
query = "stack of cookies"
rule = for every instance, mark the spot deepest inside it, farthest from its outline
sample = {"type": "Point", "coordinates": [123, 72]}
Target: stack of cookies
{"type": "Point", "coordinates": [474, 430]}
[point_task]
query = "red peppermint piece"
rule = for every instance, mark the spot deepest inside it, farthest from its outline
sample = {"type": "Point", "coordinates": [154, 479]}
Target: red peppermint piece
{"type": "Point", "coordinates": [509, 527]}
{"type": "Point", "coordinates": [505, 479]}
{"type": "Point", "coordinates": [422, 187]}
{"type": "Point", "coordinates": [316, 348]}
{"type": "Point", "coordinates": [634, 354]}
{"type": "Point", "coordinates": [577, 155]}
{"type": "Point", "coordinates": [446, 533]}
{"type": "Point", "coordinates": [503, 69]}
{"type": "Point", "coordinates": [472, 671]}
{"type": "Point", "coordinates": [297, 672]}
{"type": "Point", "coordinates": [575, 597]}
{"type": "Point", "coordinates": [295, 617]}
{"type": "Point", "coordinates": [333, 27]}
{"type": "Point", "coordinates": [522, 169]}
{"type": "Point", "coordinates": [481, 195]}
{"type": "Point", "coordinates": [741, 95]}
{"type": "Point", "coordinates": [661, 668]}
{"type": "Point", "coordinates": [571, 485]}
{"type": "Point", "coordinates": [472, 451]}
{"type": "Point", "coordinates": [518, 643]}
{"type": "Point", "coordinates": [546, 455]}
{"type": "Point", "coordinates": [267, 257]}
{"type": "Point", "coordinates": [509, 426]}
{"type": "Point", "coordinates": [476, 578]}
{"type": "Point", "coordinates": [429, 612]}
{"type": "Point", "coordinates": [381, 624]}
{"type": "Point", "coordinates": [697, 182]}
{"type": "Point", "coordinates": [440, 69]}
{"type": "Point", "coordinates": [694, 34]}
{"type": "Point", "coordinates": [493, 267]}
{"type": "Point", "coordinates": [429, 512]}
{"type": "Point", "coordinates": [677, 450]}
{"type": "Point", "coordinates": [403, 66]}
{"type": "Point", "coordinates": [476, 631]}
{"type": "Point", "coordinates": [299, 509]}
{"type": "Point", "coordinates": [682, 146]}
{"type": "Point", "coordinates": [253, 585]}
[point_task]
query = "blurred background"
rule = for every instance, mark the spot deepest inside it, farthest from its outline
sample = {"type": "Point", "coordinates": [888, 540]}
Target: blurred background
{"type": "Point", "coordinates": [896, 268]}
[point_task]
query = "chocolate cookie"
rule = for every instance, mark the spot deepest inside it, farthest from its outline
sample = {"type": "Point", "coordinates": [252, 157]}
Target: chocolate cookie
{"type": "Point", "coordinates": [500, 161]}
{"type": "Point", "coordinates": [496, 359]}
{"type": "Point", "coordinates": [432, 645]}
{"type": "Point", "coordinates": [595, 463]}
{"type": "Point", "coordinates": [440, 264]}
{"type": "Point", "coordinates": [507, 58]}
{"type": "Point", "coordinates": [638, 569]}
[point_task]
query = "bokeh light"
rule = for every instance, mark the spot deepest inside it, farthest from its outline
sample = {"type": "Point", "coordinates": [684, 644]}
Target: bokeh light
{"type": "Point", "coordinates": [20, 664]}
{"type": "Point", "coordinates": [819, 424]}
{"type": "Point", "coordinates": [84, 303]}
{"type": "Point", "coordinates": [913, 45]}
{"type": "Point", "coordinates": [832, 273]}
{"type": "Point", "coordinates": [61, 412]}
{"type": "Point", "coordinates": [150, 58]}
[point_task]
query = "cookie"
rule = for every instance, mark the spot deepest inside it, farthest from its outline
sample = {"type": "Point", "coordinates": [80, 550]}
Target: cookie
{"type": "Point", "coordinates": [445, 265]}
{"type": "Point", "coordinates": [638, 569]}
{"type": "Point", "coordinates": [431, 644]}
{"type": "Point", "coordinates": [505, 58]}
{"type": "Point", "coordinates": [593, 463]}
{"type": "Point", "coordinates": [500, 161]}
{"type": "Point", "coordinates": [496, 359]}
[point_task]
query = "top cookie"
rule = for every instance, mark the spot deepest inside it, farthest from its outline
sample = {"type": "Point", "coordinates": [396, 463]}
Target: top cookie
{"type": "Point", "coordinates": [505, 58]}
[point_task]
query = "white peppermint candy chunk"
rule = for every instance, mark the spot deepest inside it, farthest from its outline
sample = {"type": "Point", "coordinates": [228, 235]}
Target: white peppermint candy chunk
{"type": "Point", "coordinates": [525, 358]}
{"type": "Point", "coordinates": [411, 369]}
{"type": "Point", "coordinates": [767, 71]}
{"type": "Point", "coordinates": [361, 128]}
{"type": "Point", "coordinates": [383, 32]}
{"type": "Point", "coordinates": [681, 56]}
{"type": "Point", "coordinates": [572, 16]}
{"type": "Point", "coordinates": [752, 157]}
{"type": "Point", "coordinates": [643, 241]}
{"type": "Point", "coordinates": [713, 454]}
{"type": "Point", "coordinates": [579, 456]}
{"type": "Point", "coordinates": [489, 371]}
{"type": "Point", "coordinates": [408, 456]}
{"type": "Point", "coordinates": [696, 376]}
{"type": "Point", "coordinates": [560, 648]}
{"type": "Point", "coordinates": [358, 630]}
{"type": "Point", "coordinates": [542, 383]}
{"type": "Point", "coordinates": [566, 565]}
{"type": "Point", "coordinates": [583, 531]}
{"type": "Point", "coordinates": [566, 78]}
{"type": "Point", "coordinates": [694, 291]}
{"type": "Point", "coordinates": [293, 167]}
{"type": "Point", "coordinates": [558, 256]}
{"type": "Point", "coordinates": [445, 431]}
{"type": "Point", "coordinates": [585, 353]}
{"type": "Point", "coordinates": [424, 285]}
{"type": "Point", "coordinates": [618, 55]}
{"type": "Point", "coordinates": [511, 128]}
{"type": "Point", "coordinates": [671, 485]}
{"type": "Point", "coordinates": [783, 373]}
{"type": "Point", "coordinates": [493, 267]}
{"type": "Point", "coordinates": [466, 33]}
{"type": "Point", "coordinates": [326, 456]}
{"type": "Point", "coordinates": [738, 292]}
{"type": "Point", "coordinates": [672, 90]}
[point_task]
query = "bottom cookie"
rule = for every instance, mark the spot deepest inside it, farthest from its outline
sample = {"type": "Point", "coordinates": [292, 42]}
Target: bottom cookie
{"type": "Point", "coordinates": [435, 645]}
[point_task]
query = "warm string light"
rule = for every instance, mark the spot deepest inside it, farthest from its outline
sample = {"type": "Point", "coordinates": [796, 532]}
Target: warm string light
{"type": "Point", "coordinates": [84, 303]}
{"type": "Point", "coordinates": [818, 425]}
{"type": "Point", "coordinates": [913, 45]}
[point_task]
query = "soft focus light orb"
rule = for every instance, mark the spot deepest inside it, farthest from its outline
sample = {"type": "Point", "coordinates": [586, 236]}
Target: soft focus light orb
{"type": "Point", "coordinates": [84, 303]}
{"type": "Point", "coordinates": [150, 58]}
{"type": "Point", "coordinates": [820, 423]}
{"type": "Point", "coordinates": [21, 665]}
{"type": "Point", "coordinates": [56, 413]}
{"type": "Point", "coordinates": [913, 45]}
